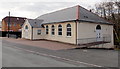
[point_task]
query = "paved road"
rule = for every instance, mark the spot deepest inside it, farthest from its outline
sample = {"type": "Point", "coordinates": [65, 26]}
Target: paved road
{"type": "Point", "coordinates": [17, 58]}
{"type": "Point", "coordinates": [13, 57]}
{"type": "Point", "coordinates": [34, 56]}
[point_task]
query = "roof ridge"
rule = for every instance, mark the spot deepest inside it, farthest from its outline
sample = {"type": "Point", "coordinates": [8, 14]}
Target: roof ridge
{"type": "Point", "coordinates": [77, 12]}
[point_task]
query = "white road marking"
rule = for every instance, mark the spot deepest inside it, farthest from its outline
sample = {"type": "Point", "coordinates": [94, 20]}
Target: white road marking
{"type": "Point", "coordinates": [43, 54]}
{"type": "Point", "coordinates": [85, 50]}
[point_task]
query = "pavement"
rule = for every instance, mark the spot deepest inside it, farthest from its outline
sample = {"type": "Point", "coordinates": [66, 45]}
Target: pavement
{"type": "Point", "coordinates": [75, 57]}
{"type": "Point", "coordinates": [42, 44]}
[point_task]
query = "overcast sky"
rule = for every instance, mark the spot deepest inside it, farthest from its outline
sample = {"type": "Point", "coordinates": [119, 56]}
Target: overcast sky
{"type": "Point", "coordinates": [35, 8]}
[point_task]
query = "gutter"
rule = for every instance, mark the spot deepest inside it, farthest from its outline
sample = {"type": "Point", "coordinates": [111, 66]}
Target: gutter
{"type": "Point", "coordinates": [91, 21]}
{"type": "Point", "coordinates": [58, 22]}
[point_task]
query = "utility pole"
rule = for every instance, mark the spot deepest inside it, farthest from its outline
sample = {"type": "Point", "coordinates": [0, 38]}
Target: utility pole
{"type": "Point", "coordinates": [8, 24]}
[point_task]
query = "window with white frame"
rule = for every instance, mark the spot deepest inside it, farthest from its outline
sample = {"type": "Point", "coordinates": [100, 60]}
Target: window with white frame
{"type": "Point", "coordinates": [59, 29]}
{"type": "Point", "coordinates": [39, 32]}
{"type": "Point", "coordinates": [68, 30]}
{"type": "Point", "coordinates": [47, 29]}
{"type": "Point", "coordinates": [53, 30]}
{"type": "Point", "coordinates": [26, 27]}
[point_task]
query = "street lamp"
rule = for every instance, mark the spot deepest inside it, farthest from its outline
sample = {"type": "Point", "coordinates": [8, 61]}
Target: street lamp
{"type": "Point", "coordinates": [8, 24]}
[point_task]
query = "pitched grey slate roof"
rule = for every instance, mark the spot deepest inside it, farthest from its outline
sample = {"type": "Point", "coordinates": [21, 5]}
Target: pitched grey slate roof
{"type": "Point", "coordinates": [35, 23]}
{"type": "Point", "coordinates": [61, 15]}
{"type": "Point", "coordinates": [86, 15]}
{"type": "Point", "coordinates": [72, 13]}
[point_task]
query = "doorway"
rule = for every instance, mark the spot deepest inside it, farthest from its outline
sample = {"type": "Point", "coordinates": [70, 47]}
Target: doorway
{"type": "Point", "coordinates": [98, 33]}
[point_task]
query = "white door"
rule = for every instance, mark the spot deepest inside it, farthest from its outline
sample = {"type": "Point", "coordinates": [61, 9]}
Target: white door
{"type": "Point", "coordinates": [26, 33]}
{"type": "Point", "coordinates": [99, 35]}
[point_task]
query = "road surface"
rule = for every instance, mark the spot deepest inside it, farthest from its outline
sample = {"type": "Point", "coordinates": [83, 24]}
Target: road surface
{"type": "Point", "coordinates": [18, 55]}
{"type": "Point", "coordinates": [13, 57]}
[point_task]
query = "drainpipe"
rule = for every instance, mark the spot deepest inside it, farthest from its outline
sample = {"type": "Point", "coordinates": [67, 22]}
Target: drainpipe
{"type": "Point", "coordinates": [76, 31]}
{"type": "Point", "coordinates": [32, 34]}
{"type": "Point", "coordinates": [77, 19]}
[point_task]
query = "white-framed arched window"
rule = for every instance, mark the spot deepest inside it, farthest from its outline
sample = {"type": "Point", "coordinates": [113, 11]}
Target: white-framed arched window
{"type": "Point", "coordinates": [26, 27]}
{"type": "Point", "coordinates": [68, 30]}
{"type": "Point", "coordinates": [59, 29]}
{"type": "Point", "coordinates": [53, 30]}
{"type": "Point", "coordinates": [47, 29]}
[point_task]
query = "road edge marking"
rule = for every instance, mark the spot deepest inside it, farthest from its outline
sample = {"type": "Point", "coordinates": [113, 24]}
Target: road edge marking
{"type": "Point", "coordinates": [43, 54]}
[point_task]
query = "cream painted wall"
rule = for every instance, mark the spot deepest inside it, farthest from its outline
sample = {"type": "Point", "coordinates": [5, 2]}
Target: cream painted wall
{"type": "Point", "coordinates": [36, 36]}
{"type": "Point", "coordinates": [26, 33]}
{"type": "Point", "coordinates": [88, 30]}
{"type": "Point", "coordinates": [84, 30]}
{"type": "Point", "coordinates": [64, 37]}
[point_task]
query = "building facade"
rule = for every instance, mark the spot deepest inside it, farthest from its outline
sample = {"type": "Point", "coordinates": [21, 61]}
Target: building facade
{"type": "Point", "coordinates": [74, 25]}
{"type": "Point", "coordinates": [14, 25]}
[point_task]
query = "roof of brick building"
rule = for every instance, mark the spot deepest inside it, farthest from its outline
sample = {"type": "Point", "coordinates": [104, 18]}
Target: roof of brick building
{"type": "Point", "coordinates": [13, 19]}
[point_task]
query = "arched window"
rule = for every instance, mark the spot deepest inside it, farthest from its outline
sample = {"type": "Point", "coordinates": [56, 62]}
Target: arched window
{"type": "Point", "coordinates": [59, 29]}
{"type": "Point", "coordinates": [98, 27]}
{"type": "Point", "coordinates": [26, 27]}
{"type": "Point", "coordinates": [47, 29]}
{"type": "Point", "coordinates": [53, 30]}
{"type": "Point", "coordinates": [68, 30]}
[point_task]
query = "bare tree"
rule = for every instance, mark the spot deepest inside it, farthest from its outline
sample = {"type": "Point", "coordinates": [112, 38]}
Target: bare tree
{"type": "Point", "coordinates": [117, 3]}
{"type": "Point", "coordinates": [109, 6]}
{"type": "Point", "coordinates": [101, 9]}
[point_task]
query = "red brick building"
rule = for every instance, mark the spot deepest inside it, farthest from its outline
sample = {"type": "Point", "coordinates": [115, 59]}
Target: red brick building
{"type": "Point", "coordinates": [14, 25]}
